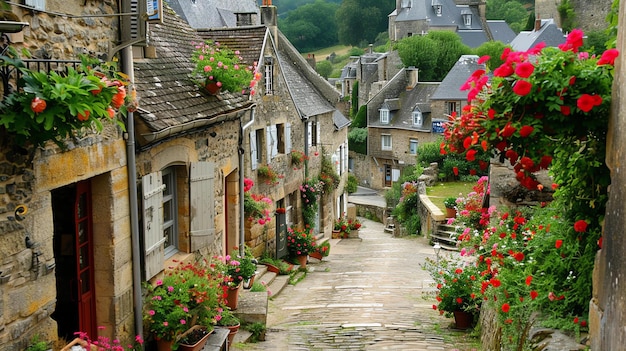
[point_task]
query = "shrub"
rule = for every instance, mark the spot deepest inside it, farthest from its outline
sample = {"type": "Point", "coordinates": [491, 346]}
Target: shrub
{"type": "Point", "coordinates": [351, 184]}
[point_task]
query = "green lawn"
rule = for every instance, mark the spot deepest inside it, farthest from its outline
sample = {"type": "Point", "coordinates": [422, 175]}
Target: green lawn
{"type": "Point", "coordinates": [440, 191]}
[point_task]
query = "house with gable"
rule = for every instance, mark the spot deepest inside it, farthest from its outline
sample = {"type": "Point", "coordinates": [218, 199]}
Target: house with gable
{"type": "Point", "coordinates": [545, 31]}
{"type": "Point", "coordinates": [399, 117]}
{"type": "Point", "coordinates": [295, 111]}
{"type": "Point", "coordinates": [466, 18]}
{"type": "Point", "coordinates": [217, 13]}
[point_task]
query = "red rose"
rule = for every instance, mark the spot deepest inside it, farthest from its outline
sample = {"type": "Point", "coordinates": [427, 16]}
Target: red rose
{"type": "Point", "coordinates": [522, 87]}
{"type": "Point", "coordinates": [558, 243]}
{"type": "Point", "coordinates": [580, 226]}
{"type": "Point", "coordinates": [608, 57]}
{"type": "Point", "coordinates": [585, 102]}
{"type": "Point", "coordinates": [524, 69]}
{"type": "Point", "coordinates": [506, 307]}
{"type": "Point", "coordinates": [526, 131]}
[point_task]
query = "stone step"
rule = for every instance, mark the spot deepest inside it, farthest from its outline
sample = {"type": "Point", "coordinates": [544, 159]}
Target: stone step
{"type": "Point", "coordinates": [277, 285]}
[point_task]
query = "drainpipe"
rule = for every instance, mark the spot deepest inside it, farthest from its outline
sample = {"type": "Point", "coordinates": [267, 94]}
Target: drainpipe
{"type": "Point", "coordinates": [242, 230]}
{"type": "Point", "coordinates": [126, 60]}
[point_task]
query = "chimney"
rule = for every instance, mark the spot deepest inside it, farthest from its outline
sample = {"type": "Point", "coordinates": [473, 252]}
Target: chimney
{"type": "Point", "coordinates": [412, 77]}
{"type": "Point", "coordinates": [537, 24]}
{"type": "Point", "coordinates": [269, 18]}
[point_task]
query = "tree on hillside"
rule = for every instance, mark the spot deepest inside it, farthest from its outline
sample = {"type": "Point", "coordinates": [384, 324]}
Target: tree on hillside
{"type": "Point", "coordinates": [311, 26]}
{"type": "Point", "coordinates": [360, 21]}
{"type": "Point", "coordinates": [434, 54]}
{"type": "Point", "coordinates": [511, 11]}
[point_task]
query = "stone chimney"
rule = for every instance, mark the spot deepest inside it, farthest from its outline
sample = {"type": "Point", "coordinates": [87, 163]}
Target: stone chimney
{"type": "Point", "coordinates": [537, 24]}
{"type": "Point", "coordinates": [412, 77]}
{"type": "Point", "coordinates": [310, 59]}
{"type": "Point", "coordinates": [269, 18]}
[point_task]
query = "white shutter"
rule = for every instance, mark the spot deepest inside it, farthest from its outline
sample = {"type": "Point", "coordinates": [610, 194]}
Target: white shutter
{"type": "Point", "coordinates": [335, 160]}
{"type": "Point", "coordinates": [395, 175]}
{"type": "Point", "coordinates": [253, 150]}
{"type": "Point", "coordinates": [268, 143]}
{"type": "Point", "coordinates": [153, 239]}
{"type": "Point", "coordinates": [317, 135]}
{"type": "Point", "coordinates": [309, 131]}
{"type": "Point", "coordinates": [202, 203]}
{"type": "Point", "coordinates": [36, 4]}
{"type": "Point", "coordinates": [345, 157]}
{"type": "Point", "coordinates": [287, 138]}
{"type": "Point", "coordinates": [274, 144]}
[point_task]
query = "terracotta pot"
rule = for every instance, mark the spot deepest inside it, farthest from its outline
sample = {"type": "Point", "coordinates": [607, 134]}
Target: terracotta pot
{"type": "Point", "coordinates": [316, 255]}
{"type": "Point", "coordinates": [164, 345]}
{"type": "Point", "coordinates": [199, 344]}
{"type": "Point", "coordinates": [272, 268]}
{"type": "Point", "coordinates": [247, 284]}
{"type": "Point", "coordinates": [302, 260]}
{"type": "Point", "coordinates": [463, 319]}
{"type": "Point", "coordinates": [232, 330]}
{"type": "Point", "coordinates": [450, 212]}
{"type": "Point", "coordinates": [232, 298]}
{"type": "Point", "coordinates": [336, 234]}
{"type": "Point", "coordinates": [212, 88]}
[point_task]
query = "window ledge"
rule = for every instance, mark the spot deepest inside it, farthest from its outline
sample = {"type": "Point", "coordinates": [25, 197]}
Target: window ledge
{"type": "Point", "coordinates": [176, 258]}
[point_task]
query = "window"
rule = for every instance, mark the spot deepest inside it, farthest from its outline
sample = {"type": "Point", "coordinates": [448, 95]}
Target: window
{"type": "Point", "coordinates": [36, 4]}
{"type": "Point", "coordinates": [170, 212]}
{"type": "Point", "coordinates": [256, 148]}
{"type": "Point", "coordinates": [467, 19]}
{"type": "Point", "coordinates": [438, 10]}
{"type": "Point", "coordinates": [413, 147]}
{"type": "Point", "coordinates": [385, 141]}
{"type": "Point", "coordinates": [313, 132]}
{"type": "Point", "coordinates": [384, 116]}
{"type": "Point", "coordinates": [451, 107]}
{"type": "Point", "coordinates": [417, 118]}
{"type": "Point", "coordinates": [269, 75]}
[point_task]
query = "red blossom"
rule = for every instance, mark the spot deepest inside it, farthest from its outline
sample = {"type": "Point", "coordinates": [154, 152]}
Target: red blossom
{"type": "Point", "coordinates": [575, 320]}
{"type": "Point", "coordinates": [455, 170]}
{"type": "Point", "coordinates": [583, 323]}
{"type": "Point", "coordinates": [522, 87]}
{"type": "Point", "coordinates": [506, 307]}
{"type": "Point", "coordinates": [459, 300]}
{"type": "Point", "coordinates": [508, 130]}
{"type": "Point", "coordinates": [529, 279]}
{"type": "Point", "coordinates": [526, 131]}
{"type": "Point", "coordinates": [558, 243]}
{"type": "Point", "coordinates": [503, 71]}
{"type": "Point", "coordinates": [471, 155]}
{"type": "Point", "coordinates": [566, 110]}
{"type": "Point", "coordinates": [483, 59]}
{"type": "Point", "coordinates": [585, 102]}
{"type": "Point", "coordinates": [580, 226]}
{"type": "Point", "coordinates": [524, 69]}
{"type": "Point", "coordinates": [519, 256]}
{"type": "Point", "coordinates": [608, 57]}
{"type": "Point", "coordinates": [533, 295]}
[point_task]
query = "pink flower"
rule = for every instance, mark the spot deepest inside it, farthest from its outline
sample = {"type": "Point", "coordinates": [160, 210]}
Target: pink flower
{"type": "Point", "coordinates": [182, 321]}
{"type": "Point", "coordinates": [151, 312]}
{"type": "Point", "coordinates": [483, 59]}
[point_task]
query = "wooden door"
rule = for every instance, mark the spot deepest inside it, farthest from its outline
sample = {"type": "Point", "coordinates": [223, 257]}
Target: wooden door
{"type": "Point", "coordinates": [387, 175]}
{"type": "Point", "coordinates": [84, 259]}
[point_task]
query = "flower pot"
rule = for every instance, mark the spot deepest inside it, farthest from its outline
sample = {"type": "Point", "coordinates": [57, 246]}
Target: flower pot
{"type": "Point", "coordinates": [212, 88]}
{"type": "Point", "coordinates": [302, 260]}
{"type": "Point", "coordinates": [247, 284]}
{"type": "Point", "coordinates": [232, 297]}
{"type": "Point", "coordinates": [354, 233]}
{"type": "Point", "coordinates": [450, 212]}
{"type": "Point", "coordinates": [463, 319]}
{"type": "Point", "coordinates": [232, 330]}
{"type": "Point", "coordinates": [336, 234]}
{"type": "Point", "coordinates": [316, 255]}
{"type": "Point", "coordinates": [197, 333]}
{"type": "Point", "coordinates": [164, 345]}
{"type": "Point", "coordinates": [272, 268]}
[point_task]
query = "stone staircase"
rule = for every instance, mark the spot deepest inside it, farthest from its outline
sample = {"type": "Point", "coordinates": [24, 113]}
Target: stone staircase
{"type": "Point", "coordinates": [445, 235]}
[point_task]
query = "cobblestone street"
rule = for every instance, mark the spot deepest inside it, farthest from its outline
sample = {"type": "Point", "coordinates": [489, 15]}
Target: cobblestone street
{"type": "Point", "coordinates": [369, 294]}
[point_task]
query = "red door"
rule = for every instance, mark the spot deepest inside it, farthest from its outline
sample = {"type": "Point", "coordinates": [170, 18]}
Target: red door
{"type": "Point", "coordinates": [84, 259]}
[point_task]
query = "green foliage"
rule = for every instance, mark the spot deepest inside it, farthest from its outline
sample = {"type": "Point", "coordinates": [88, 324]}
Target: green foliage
{"type": "Point", "coordinates": [36, 344]}
{"type": "Point", "coordinates": [434, 54]}
{"type": "Point", "coordinates": [360, 21]}
{"type": "Point", "coordinates": [357, 140]}
{"type": "Point", "coordinates": [612, 18]}
{"type": "Point", "coordinates": [428, 153]}
{"type": "Point", "coordinates": [351, 184]}
{"type": "Point", "coordinates": [216, 63]}
{"type": "Point", "coordinates": [328, 174]}
{"type": "Point", "coordinates": [228, 319]}
{"type": "Point", "coordinates": [512, 12]}
{"type": "Point", "coordinates": [311, 26]}
{"type": "Point", "coordinates": [567, 15]}
{"type": "Point", "coordinates": [449, 202]}
{"type": "Point", "coordinates": [258, 330]}
{"type": "Point", "coordinates": [258, 287]}
{"type": "Point", "coordinates": [596, 41]}
{"type": "Point", "coordinates": [360, 120]}
{"type": "Point", "coordinates": [310, 192]}
{"type": "Point", "coordinates": [324, 68]}
{"type": "Point", "coordinates": [494, 50]}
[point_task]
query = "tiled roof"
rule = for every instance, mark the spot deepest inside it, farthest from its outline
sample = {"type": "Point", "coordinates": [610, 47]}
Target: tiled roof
{"type": "Point", "coordinates": [549, 34]}
{"type": "Point", "coordinates": [501, 31]}
{"type": "Point", "coordinates": [248, 40]}
{"type": "Point", "coordinates": [408, 101]}
{"type": "Point", "coordinates": [451, 84]}
{"type": "Point", "coordinates": [213, 13]}
{"type": "Point", "coordinates": [339, 120]}
{"type": "Point", "coordinates": [169, 100]}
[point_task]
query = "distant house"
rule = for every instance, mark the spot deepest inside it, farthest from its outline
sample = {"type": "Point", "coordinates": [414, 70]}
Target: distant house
{"type": "Point", "coordinates": [545, 31]}
{"type": "Point", "coordinates": [217, 13]}
{"type": "Point", "coordinates": [449, 97]}
{"type": "Point", "coordinates": [418, 17]}
{"type": "Point", "coordinates": [398, 119]}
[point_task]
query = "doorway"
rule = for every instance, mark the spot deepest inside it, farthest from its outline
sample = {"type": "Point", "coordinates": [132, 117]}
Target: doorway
{"type": "Point", "coordinates": [387, 176]}
{"type": "Point", "coordinates": [73, 252]}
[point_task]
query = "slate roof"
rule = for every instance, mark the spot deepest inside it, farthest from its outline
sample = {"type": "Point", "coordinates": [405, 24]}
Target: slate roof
{"type": "Point", "coordinates": [248, 40]}
{"type": "Point", "coordinates": [548, 33]}
{"type": "Point", "coordinates": [501, 31]}
{"type": "Point", "coordinates": [451, 84]}
{"type": "Point", "coordinates": [401, 115]}
{"type": "Point", "coordinates": [214, 13]}
{"type": "Point", "coordinates": [169, 100]}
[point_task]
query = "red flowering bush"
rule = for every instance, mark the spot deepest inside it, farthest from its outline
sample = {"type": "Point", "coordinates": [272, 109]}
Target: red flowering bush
{"type": "Point", "coordinates": [300, 241]}
{"type": "Point", "coordinates": [255, 207]}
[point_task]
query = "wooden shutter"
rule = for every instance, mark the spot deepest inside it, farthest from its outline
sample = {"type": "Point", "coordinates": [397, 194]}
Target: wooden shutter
{"type": "Point", "coordinates": [152, 187]}
{"type": "Point", "coordinates": [274, 140]}
{"type": "Point", "coordinates": [287, 138]}
{"type": "Point", "coordinates": [202, 204]}
{"type": "Point", "coordinates": [253, 150]}
{"type": "Point", "coordinates": [309, 131]}
{"type": "Point", "coordinates": [268, 143]}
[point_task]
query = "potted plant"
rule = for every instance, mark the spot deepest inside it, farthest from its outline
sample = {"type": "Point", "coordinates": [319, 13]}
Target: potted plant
{"type": "Point", "coordinates": [247, 267]}
{"type": "Point", "coordinates": [450, 204]}
{"type": "Point", "coordinates": [298, 158]}
{"type": "Point", "coordinates": [230, 321]}
{"type": "Point", "coordinates": [231, 268]}
{"type": "Point", "coordinates": [320, 251]}
{"type": "Point", "coordinates": [341, 228]}
{"type": "Point", "coordinates": [269, 174]}
{"type": "Point", "coordinates": [188, 294]}
{"type": "Point", "coordinates": [102, 343]}
{"type": "Point", "coordinates": [299, 243]}
{"type": "Point", "coordinates": [458, 289]}
{"type": "Point", "coordinates": [256, 208]}
{"type": "Point", "coordinates": [218, 67]}
{"type": "Point", "coordinates": [353, 226]}
{"type": "Point", "coordinates": [194, 339]}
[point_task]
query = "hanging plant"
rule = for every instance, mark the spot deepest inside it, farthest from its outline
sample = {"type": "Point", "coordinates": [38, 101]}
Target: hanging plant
{"type": "Point", "coordinates": [55, 106]}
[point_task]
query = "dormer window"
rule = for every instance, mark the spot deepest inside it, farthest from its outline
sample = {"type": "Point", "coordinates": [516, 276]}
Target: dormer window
{"type": "Point", "coordinates": [244, 19]}
{"type": "Point", "coordinates": [467, 19]}
{"type": "Point", "coordinates": [417, 118]}
{"type": "Point", "coordinates": [384, 115]}
{"type": "Point", "coordinates": [438, 10]}
{"type": "Point", "coordinates": [407, 3]}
